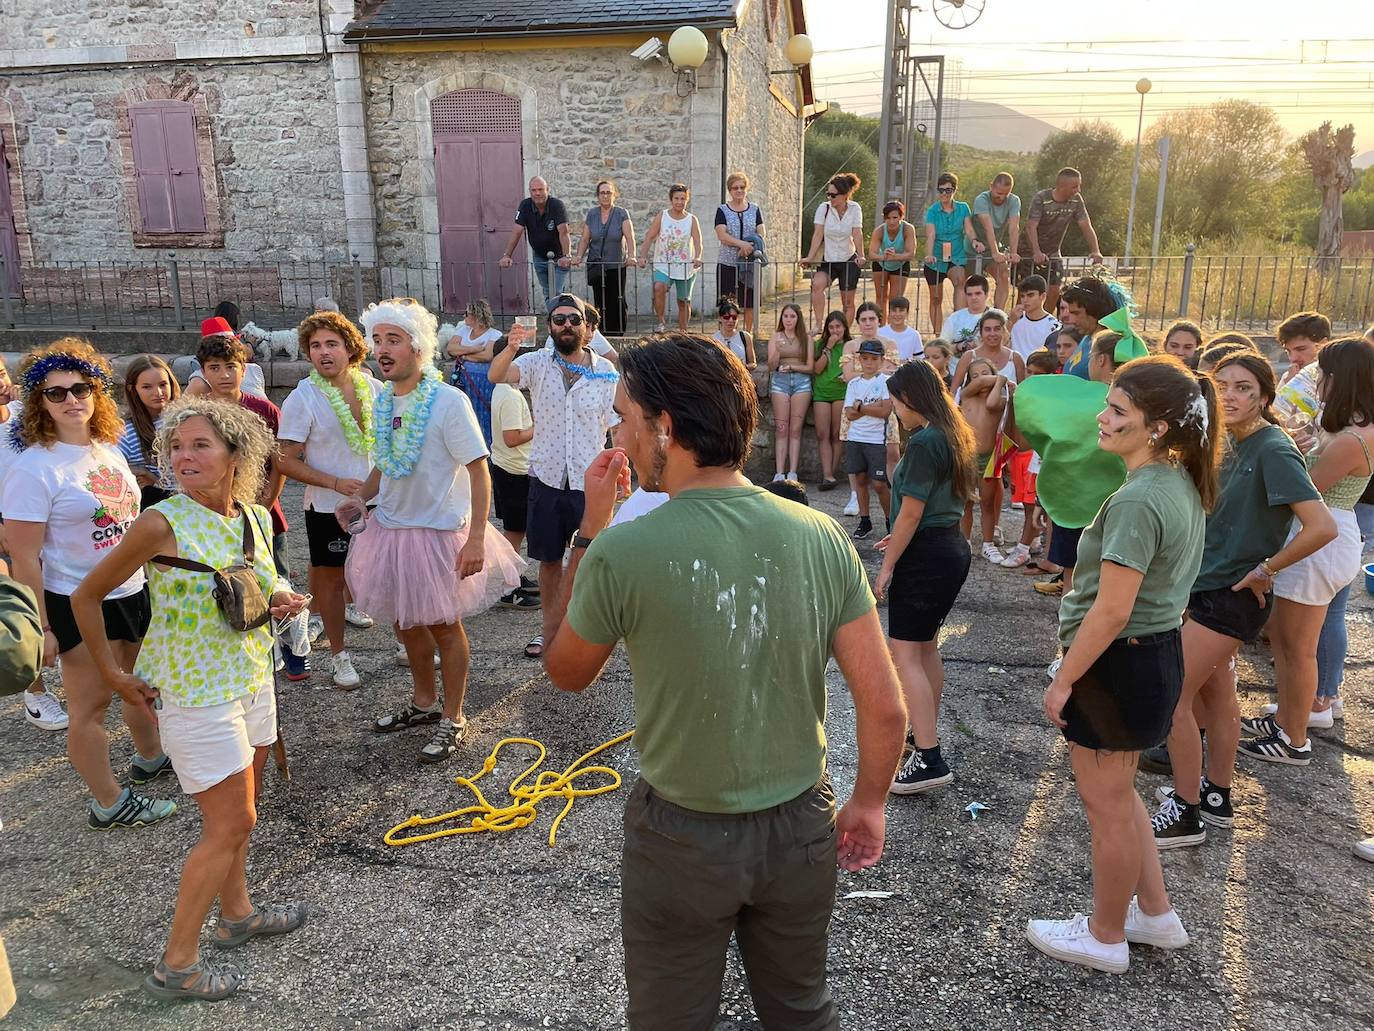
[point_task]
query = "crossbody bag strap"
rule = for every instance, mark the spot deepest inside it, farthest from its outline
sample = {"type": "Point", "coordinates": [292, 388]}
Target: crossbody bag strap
{"type": "Point", "coordinates": [192, 566]}
{"type": "Point", "coordinates": [248, 547]}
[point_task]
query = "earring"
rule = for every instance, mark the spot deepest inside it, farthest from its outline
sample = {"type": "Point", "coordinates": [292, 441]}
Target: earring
{"type": "Point", "coordinates": [1154, 439]}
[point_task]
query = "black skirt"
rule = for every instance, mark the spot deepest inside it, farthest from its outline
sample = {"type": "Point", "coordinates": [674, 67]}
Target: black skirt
{"type": "Point", "coordinates": [1126, 700]}
{"type": "Point", "coordinates": [926, 581]}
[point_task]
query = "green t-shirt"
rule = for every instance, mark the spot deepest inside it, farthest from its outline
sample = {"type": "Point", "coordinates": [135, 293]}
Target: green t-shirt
{"type": "Point", "coordinates": [1261, 476]}
{"type": "Point", "coordinates": [926, 473]}
{"type": "Point", "coordinates": [827, 385]}
{"type": "Point", "coordinates": [727, 600]}
{"type": "Point", "coordinates": [1153, 524]}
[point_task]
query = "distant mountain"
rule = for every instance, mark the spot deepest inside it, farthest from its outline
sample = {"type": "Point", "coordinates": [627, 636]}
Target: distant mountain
{"type": "Point", "coordinates": [985, 126]}
{"type": "Point", "coordinates": [1364, 160]}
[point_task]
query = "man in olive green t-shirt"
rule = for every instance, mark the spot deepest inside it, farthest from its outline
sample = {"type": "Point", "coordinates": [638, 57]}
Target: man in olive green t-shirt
{"type": "Point", "coordinates": [730, 601]}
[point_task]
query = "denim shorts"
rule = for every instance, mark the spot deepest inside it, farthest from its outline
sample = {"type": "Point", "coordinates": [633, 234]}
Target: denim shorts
{"type": "Point", "coordinates": [1230, 613]}
{"type": "Point", "coordinates": [789, 383]}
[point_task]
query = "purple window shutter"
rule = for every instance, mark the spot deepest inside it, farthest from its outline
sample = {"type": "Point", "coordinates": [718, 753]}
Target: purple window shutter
{"type": "Point", "coordinates": [167, 167]}
{"type": "Point", "coordinates": [151, 172]}
{"type": "Point", "coordinates": [188, 200]}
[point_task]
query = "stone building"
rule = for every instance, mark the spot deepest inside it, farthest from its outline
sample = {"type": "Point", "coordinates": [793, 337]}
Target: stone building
{"type": "Point", "coordinates": [467, 100]}
{"type": "Point", "coordinates": [263, 141]}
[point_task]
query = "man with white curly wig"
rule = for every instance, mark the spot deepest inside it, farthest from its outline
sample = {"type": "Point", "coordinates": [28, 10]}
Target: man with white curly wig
{"type": "Point", "coordinates": [422, 559]}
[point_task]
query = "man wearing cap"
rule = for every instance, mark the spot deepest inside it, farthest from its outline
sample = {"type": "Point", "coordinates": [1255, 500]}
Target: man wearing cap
{"type": "Point", "coordinates": [544, 222]}
{"type": "Point", "coordinates": [253, 381]}
{"type": "Point", "coordinates": [422, 560]}
{"type": "Point", "coordinates": [573, 391]}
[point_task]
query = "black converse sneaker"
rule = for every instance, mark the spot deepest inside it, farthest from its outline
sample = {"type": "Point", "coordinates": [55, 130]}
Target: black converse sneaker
{"type": "Point", "coordinates": [1215, 807]}
{"type": "Point", "coordinates": [1260, 726]}
{"type": "Point", "coordinates": [924, 770]}
{"type": "Point", "coordinates": [1177, 824]}
{"type": "Point", "coordinates": [864, 528]}
{"type": "Point", "coordinates": [1277, 748]}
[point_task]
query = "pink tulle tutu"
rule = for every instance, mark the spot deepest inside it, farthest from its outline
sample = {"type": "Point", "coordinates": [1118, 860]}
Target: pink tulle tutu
{"type": "Point", "coordinates": [410, 576]}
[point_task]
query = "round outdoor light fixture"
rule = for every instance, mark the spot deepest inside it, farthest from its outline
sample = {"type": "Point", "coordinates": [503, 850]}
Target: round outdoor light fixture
{"type": "Point", "coordinates": [799, 49]}
{"type": "Point", "coordinates": [687, 47]}
{"type": "Point", "coordinates": [1143, 86]}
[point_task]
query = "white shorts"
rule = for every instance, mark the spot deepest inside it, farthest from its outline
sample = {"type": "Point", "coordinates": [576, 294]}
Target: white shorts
{"type": "Point", "coordinates": [210, 743]}
{"type": "Point", "coordinates": [1316, 579]}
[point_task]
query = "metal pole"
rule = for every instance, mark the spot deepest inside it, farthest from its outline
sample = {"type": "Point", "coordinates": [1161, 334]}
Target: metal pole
{"type": "Point", "coordinates": [174, 280]}
{"type": "Point", "coordinates": [5, 291]}
{"type": "Point", "coordinates": [939, 124]}
{"type": "Point", "coordinates": [1187, 281]}
{"type": "Point", "coordinates": [887, 138]}
{"type": "Point", "coordinates": [1159, 196]}
{"type": "Point", "coordinates": [1135, 179]}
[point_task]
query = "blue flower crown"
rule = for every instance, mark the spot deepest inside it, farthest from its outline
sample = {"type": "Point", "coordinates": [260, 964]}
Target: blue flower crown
{"type": "Point", "coordinates": [38, 371]}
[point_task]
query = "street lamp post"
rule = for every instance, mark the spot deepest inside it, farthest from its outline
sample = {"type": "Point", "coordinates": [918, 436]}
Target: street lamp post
{"type": "Point", "coordinates": [1142, 87]}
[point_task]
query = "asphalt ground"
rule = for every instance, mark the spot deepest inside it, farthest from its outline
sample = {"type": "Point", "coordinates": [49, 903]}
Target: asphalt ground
{"type": "Point", "coordinates": [502, 931]}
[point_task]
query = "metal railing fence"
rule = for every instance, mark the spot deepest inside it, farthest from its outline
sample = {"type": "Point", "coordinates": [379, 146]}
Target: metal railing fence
{"type": "Point", "coordinates": [1220, 291]}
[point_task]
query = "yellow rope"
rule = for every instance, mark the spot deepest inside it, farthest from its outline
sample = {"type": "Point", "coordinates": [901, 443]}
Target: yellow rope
{"type": "Point", "coordinates": [522, 811]}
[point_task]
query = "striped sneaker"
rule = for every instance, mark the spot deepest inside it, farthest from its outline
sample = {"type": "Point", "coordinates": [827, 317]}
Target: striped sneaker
{"type": "Point", "coordinates": [1265, 725]}
{"type": "Point", "coordinates": [130, 810]}
{"type": "Point", "coordinates": [1277, 748]}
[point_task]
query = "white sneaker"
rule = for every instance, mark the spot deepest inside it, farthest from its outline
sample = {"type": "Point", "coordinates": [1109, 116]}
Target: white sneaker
{"type": "Point", "coordinates": [1163, 932]}
{"type": "Point", "coordinates": [1073, 942]}
{"type": "Point", "coordinates": [45, 711]}
{"type": "Point", "coordinates": [402, 659]}
{"type": "Point", "coordinates": [1321, 720]}
{"type": "Point", "coordinates": [358, 618]}
{"type": "Point", "coordinates": [994, 556]}
{"type": "Point", "coordinates": [793, 476]}
{"type": "Point", "coordinates": [1018, 556]}
{"type": "Point", "coordinates": [852, 508]}
{"type": "Point", "coordinates": [1337, 709]}
{"type": "Point", "coordinates": [345, 676]}
{"type": "Point", "coordinates": [778, 477]}
{"type": "Point", "coordinates": [316, 628]}
{"type": "Point", "coordinates": [1365, 849]}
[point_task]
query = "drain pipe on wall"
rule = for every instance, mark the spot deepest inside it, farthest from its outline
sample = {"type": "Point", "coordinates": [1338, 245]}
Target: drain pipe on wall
{"type": "Point", "coordinates": [724, 113]}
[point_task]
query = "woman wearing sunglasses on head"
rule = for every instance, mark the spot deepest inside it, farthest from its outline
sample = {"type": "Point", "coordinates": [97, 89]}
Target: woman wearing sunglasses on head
{"type": "Point", "coordinates": [69, 497]}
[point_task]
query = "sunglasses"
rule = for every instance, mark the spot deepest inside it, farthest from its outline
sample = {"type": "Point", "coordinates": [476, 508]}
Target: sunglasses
{"type": "Point", "coordinates": [566, 320]}
{"type": "Point", "coordinates": [57, 395]}
{"type": "Point", "coordinates": [729, 318]}
{"type": "Point", "coordinates": [945, 189]}
{"type": "Point", "coordinates": [830, 193]}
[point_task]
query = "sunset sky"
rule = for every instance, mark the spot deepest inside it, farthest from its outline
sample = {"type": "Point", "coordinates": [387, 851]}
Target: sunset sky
{"type": "Point", "coordinates": [1062, 62]}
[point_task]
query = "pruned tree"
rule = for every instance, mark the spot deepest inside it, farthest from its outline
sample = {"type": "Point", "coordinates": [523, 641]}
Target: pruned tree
{"type": "Point", "coordinates": [1329, 156]}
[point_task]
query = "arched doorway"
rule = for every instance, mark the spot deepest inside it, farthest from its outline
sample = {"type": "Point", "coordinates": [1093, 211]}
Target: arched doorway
{"type": "Point", "coordinates": [479, 182]}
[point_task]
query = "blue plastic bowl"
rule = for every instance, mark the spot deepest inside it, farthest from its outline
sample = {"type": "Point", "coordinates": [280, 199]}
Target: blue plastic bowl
{"type": "Point", "coordinates": [1369, 578]}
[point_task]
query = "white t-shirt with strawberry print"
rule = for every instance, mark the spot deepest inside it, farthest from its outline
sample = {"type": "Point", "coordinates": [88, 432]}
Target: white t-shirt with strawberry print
{"type": "Point", "coordinates": [87, 496]}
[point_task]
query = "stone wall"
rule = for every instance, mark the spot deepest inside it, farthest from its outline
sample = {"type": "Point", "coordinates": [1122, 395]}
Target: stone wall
{"type": "Point", "coordinates": [275, 145]}
{"type": "Point", "coordinates": [62, 24]}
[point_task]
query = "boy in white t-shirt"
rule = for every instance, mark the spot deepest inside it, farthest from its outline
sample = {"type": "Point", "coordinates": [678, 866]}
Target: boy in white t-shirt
{"type": "Point", "coordinates": [1029, 331]}
{"type": "Point", "coordinates": [512, 429]}
{"type": "Point", "coordinates": [961, 327]}
{"type": "Point", "coordinates": [904, 337]}
{"type": "Point", "coordinates": [868, 405]}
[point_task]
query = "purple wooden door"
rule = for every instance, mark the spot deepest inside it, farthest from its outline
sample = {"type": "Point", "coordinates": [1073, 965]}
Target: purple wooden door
{"type": "Point", "coordinates": [479, 180]}
{"type": "Point", "coordinates": [9, 238]}
{"type": "Point", "coordinates": [167, 167]}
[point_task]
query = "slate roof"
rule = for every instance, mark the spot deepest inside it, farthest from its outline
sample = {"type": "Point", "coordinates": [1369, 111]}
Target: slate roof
{"type": "Point", "coordinates": [449, 19]}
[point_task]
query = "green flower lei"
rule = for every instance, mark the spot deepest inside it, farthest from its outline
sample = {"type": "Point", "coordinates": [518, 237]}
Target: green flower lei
{"type": "Point", "coordinates": [359, 440]}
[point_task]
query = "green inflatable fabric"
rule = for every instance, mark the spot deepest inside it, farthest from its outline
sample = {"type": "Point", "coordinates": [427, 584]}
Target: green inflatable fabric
{"type": "Point", "coordinates": [1057, 415]}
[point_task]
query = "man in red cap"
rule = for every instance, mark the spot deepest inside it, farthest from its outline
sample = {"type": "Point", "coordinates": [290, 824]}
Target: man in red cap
{"type": "Point", "coordinates": [253, 381]}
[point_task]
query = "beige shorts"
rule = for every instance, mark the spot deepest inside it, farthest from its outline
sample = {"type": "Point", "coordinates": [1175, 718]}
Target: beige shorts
{"type": "Point", "coordinates": [211, 743]}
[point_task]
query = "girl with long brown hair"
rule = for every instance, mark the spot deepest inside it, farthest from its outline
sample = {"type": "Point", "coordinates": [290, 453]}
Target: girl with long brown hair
{"type": "Point", "coordinates": [925, 556]}
{"type": "Point", "coordinates": [149, 387]}
{"type": "Point", "coordinates": [1122, 672]}
{"type": "Point", "coordinates": [1264, 485]}
{"type": "Point", "coordinates": [791, 362]}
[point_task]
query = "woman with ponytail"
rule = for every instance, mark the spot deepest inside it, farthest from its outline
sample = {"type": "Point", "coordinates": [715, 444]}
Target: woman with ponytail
{"type": "Point", "coordinates": [1122, 672]}
{"type": "Point", "coordinates": [925, 556]}
{"type": "Point", "coordinates": [1264, 485]}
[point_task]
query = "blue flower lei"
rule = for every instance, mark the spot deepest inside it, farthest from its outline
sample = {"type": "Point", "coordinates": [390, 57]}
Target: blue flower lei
{"type": "Point", "coordinates": [395, 454]}
{"type": "Point", "coordinates": [584, 371]}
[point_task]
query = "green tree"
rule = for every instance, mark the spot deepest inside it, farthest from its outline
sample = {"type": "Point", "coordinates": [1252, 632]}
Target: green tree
{"type": "Point", "coordinates": [1097, 150]}
{"type": "Point", "coordinates": [839, 142]}
{"type": "Point", "coordinates": [1227, 169]}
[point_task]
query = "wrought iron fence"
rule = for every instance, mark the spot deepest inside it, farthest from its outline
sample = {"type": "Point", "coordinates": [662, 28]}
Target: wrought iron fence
{"type": "Point", "coordinates": [1220, 291]}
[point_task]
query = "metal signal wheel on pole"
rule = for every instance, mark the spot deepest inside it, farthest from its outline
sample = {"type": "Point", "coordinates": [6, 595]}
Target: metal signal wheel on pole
{"type": "Point", "coordinates": [958, 14]}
